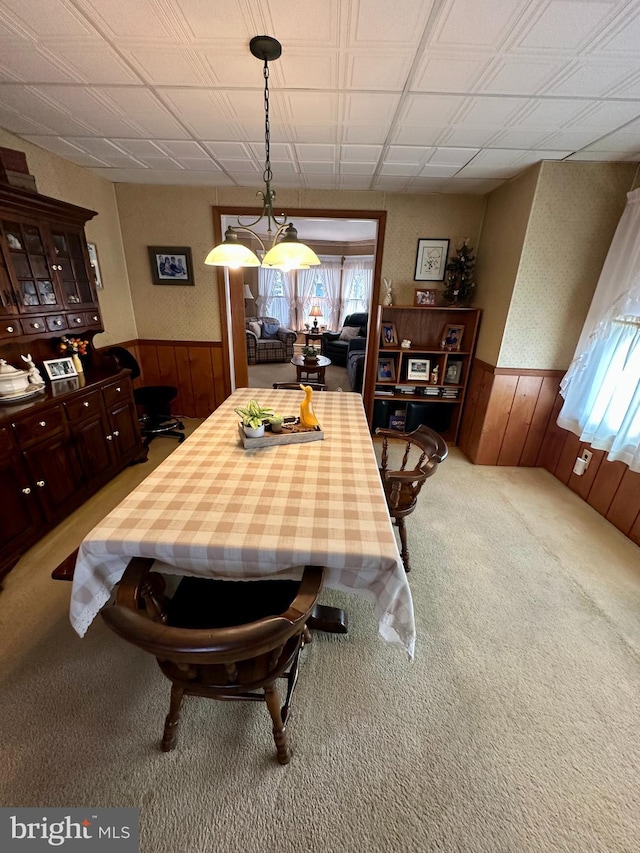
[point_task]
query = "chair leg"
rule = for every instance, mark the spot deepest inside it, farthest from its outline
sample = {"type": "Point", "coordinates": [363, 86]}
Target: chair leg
{"type": "Point", "coordinates": [279, 728]}
{"type": "Point", "coordinates": [404, 552]}
{"type": "Point", "coordinates": [173, 718]}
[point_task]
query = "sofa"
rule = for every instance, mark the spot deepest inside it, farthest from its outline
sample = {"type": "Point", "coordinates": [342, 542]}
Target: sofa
{"type": "Point", "coordinates": [335, 345]}
{"type": "Point", "coordinates": [268, 341]}
{"type": "Point", "coordinates": [355, 363]}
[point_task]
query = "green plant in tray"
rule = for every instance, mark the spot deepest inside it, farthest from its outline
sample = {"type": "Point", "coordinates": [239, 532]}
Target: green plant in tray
{"type": "Point", "coordinates": [253, 415]}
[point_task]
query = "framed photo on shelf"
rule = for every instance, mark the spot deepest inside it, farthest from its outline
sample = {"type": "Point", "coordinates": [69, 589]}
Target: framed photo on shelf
{"type": "Point", "coordinates": [93, 259]}
{"type": "Point", "coordinates": [386, 369]}
{"type": "Point", "coordinates": [389, 335]}
{"type": "Point", "coordinates": [452, 336]}
{"type": "Point", "coordinates": [425, 298]}
{"type": "Point", "coordinates": [453, 373]}
{"type": "Point", "coordinates": [60, 368]}
{"type": "Point", "coordinates": [431, 259]}
{"type": "Point", "coordinates": [418, 368]}
{"type": "Point", "coordinates": [171, 265]}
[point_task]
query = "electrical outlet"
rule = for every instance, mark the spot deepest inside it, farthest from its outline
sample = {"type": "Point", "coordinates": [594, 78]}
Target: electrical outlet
{"type": "Point", "coordinates": [586, 455]}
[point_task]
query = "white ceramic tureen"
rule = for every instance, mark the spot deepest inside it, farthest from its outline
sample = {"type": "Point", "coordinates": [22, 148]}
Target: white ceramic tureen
{"type": "Point", "coordinates": [12, 380]}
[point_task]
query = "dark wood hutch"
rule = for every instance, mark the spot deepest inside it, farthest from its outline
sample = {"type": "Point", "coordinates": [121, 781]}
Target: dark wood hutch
{"type": "Point", "coordinates": [61, 445]}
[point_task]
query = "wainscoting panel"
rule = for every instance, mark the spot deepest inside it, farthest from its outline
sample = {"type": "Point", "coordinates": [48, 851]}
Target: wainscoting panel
{"type": "Point", "coordinates": [506, 414]}
{"type": "Point", "coordinates": [194, 367]}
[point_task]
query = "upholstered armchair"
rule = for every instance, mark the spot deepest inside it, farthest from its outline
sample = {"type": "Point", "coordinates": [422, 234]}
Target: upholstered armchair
{"type": "Point", "coordinates": [267, 340]}
{"type": "Point", "coordinates": [335, 345]}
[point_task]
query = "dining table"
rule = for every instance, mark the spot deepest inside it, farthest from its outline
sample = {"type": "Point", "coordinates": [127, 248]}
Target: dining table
{"type": "Point", "coordinates": [215, 508]}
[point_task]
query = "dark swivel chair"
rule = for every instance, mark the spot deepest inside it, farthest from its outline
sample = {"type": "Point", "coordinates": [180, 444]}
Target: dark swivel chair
{"type": "Point", "coordinates": [154, 401]}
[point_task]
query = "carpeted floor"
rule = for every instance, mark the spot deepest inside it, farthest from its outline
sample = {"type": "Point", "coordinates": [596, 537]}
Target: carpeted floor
{"type": "Point", "coordinates": [515, 729]}
{"type": "Point", "coordinates": [264, 375]}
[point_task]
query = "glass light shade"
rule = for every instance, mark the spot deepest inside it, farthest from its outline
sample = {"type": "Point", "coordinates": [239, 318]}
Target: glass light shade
{"type": "Point", "coordinates": [230, 253]}
{"type": "Point", "coordinates": [290, 253]}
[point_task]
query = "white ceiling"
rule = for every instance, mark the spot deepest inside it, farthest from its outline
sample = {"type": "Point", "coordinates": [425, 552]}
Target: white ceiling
{"type": "Point", "coordinates": [398, 95]}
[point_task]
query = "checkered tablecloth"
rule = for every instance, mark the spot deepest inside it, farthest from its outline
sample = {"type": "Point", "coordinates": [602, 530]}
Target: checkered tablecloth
{"type": "Point", "coordinates": [213, 508]}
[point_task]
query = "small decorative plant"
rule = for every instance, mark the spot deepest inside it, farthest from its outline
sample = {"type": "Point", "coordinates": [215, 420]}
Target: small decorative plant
{"type": "Point", "coordinates": [310, 353]}
{"type": "Point", "coordinates": [276, 420]}
{"type": "Point", "coordinates": [253, 416]}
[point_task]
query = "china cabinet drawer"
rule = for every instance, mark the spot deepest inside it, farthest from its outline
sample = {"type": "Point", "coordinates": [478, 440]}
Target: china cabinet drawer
{"type": "Point", "coordinates": [10, 329]}
{"type": "Point", "coordinates": [33, 325]}
{"type": "Point", "coordinates": [56, 323]}
{"type": "Point", "coordinates": [76, 321]}
{"type": "Point", "coordinates": [116, 392]}
{"type": "Point", "coordinates": [93, 319]}
{"type": "Point", "coordinates": [39, 426]}
{"type": "Point", "coordinates": [6, 444]}
{"type": "Point", "coordinates": [83, 407]}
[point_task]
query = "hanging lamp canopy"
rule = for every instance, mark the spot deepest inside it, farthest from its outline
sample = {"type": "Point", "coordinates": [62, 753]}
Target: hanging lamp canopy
{"type": "Point", "coordinates": [286, 252]}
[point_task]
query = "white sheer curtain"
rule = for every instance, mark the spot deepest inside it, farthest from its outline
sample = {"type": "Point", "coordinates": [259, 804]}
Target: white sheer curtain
{"type": "Point", "coordinates": [601, 389]}
{"type": "Point", "coordinates": [320, 286]}
{"type": "Point", "coordinates": [276, 296]}
{"type": "Point", "coordinates": [357, 282]}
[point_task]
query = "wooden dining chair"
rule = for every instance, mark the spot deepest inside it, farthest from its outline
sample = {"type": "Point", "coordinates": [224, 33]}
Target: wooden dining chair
{"type": "Point", "coordinates": [424, 450]}
{"type": "Point", "coordinates": [219, 639]}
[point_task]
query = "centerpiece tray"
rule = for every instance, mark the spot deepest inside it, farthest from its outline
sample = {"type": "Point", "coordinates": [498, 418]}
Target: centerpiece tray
{"type": "Point", "coordinates": [292, 433]}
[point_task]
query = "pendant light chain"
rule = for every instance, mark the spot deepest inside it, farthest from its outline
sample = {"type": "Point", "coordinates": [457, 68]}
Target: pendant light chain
{"type": "Point", "coordinates": [267, 175]}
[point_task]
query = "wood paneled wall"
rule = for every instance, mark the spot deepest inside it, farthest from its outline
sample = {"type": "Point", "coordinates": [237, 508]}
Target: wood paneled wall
{"type": "Point", "coordinates": [196, 368]}
{"type": "Point", "coordinates": [510, 419]}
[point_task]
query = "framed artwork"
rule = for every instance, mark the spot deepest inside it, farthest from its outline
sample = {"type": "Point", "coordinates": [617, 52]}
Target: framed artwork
{"type": "Point", "coordinates": [453, 373]}
{"type": "Point", "coordinates": [93, 259]}
{"type": "Point", "coordinates": [60, 368]}
{"type": "Point", "coordinates": [452, 336]}
{"type": "Point", "coordinates": [389, 335]}
{"type": "Point", "coordinates": [387, 369]}
{"type": "Point", "coordinates": [431, 259]}
{"type": "Point", "coordinates": [171, 265]}
{"type": "Point", "coordinates": [418, 368]}
{"type": "Point", "coordinates": [424, 298]}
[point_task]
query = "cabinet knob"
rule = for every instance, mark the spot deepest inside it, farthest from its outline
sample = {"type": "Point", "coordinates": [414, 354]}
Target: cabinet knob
{"type": "Point", "coordinates": [40, 483]}
{"type": "Point", "coordinates": [109, 438]}
{"type": "Point", "coordinates": [35, 325]}
{"type": "Point", "coordinates": [10, 329]}
{"type": "Point", "coordinates": [118, 390]}
{"type": "Point", "coordinates": [116, 432]}
{"type": "Point", "coordinates": [57, 322]}
{"type": "Point", "coordinates": [77, 319]}
{"type": "Point", "coordinates": [43, 423]}
{"type": "Point", "coordinates": [95, 319]}
{"type": "Point", "coordinates": [86, 404]}
{"type": "Point", "coordinates": [26, 491]}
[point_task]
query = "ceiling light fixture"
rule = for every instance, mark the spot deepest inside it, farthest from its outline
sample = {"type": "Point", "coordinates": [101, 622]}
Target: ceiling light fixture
{"type": "Point", "coordinates": [286, 251]}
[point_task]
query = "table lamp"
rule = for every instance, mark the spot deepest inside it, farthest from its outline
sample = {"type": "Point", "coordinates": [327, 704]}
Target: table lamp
{"type": "Point", "coordinates": [315, 313]}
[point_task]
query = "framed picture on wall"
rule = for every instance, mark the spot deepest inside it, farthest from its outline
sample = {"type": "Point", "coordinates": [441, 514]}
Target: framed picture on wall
{"type": "Point", "coordinates": [431, 259]}
{"type": "Point", "coordinates": [171, 265]}
{"type": "Point", "coordinates": [93, 259]}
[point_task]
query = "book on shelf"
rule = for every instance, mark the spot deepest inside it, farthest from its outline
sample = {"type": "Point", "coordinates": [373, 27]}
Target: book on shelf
{"type": "Point", "coordinates": [397, 422]}
{"type": "Point", "coordinates": [384, 392]}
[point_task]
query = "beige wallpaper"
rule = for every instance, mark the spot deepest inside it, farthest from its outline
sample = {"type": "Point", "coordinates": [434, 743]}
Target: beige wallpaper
{"type": "Point", "coordinates": [61, 179]}
{"type": "Point", "coordinates": [503, 234]}
{"type": "Point", "coordinates": [576, 209]}
{"type": "Point", "coordinates": [181, 216]}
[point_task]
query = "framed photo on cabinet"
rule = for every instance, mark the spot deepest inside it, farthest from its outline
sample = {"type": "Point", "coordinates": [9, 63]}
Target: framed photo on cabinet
{"type": "Point", "coordinates": [418, 369]}
{"type": "Point", "coordinates": [389, 335]}
{"type": "Point", "coordinates": [425, 297]}
{"type": "Point", "coordinates": [386, 369]}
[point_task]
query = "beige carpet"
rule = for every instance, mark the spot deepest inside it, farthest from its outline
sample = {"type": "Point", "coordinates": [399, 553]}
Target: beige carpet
{"type": "Point", "coordinates": [515, 729]}
{"type": "Point", "coordinates": [264, 375]}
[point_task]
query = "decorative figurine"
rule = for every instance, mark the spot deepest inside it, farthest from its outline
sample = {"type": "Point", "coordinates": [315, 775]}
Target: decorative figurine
{"type": "Point", "coordinates": [34, 376]}
{"type": "Point", "coordinates": [307, 417]}
{"type": "Point", "coordinates": [388, 296]}
{"type": "Point", "coordinates": [406, 344]}
{"type": "Point", "coordinates": [434, 375]}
